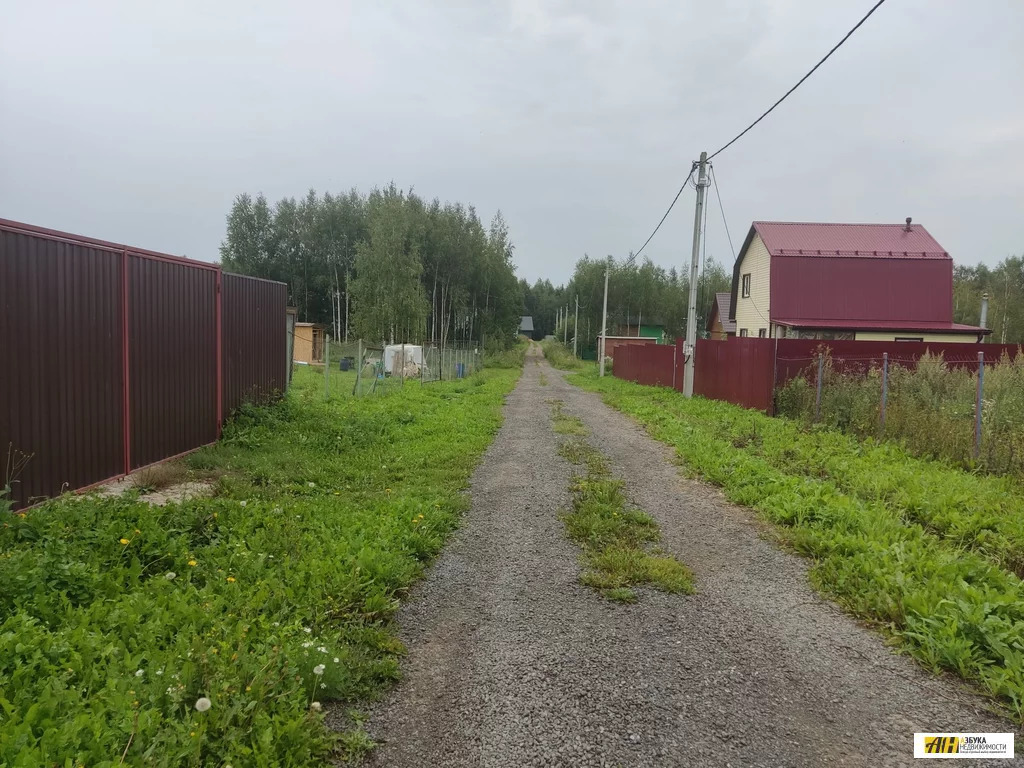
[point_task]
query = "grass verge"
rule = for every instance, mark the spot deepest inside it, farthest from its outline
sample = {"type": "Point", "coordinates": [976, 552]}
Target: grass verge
{"type": "Point", "coordinates": [619, 541]}
{"type": "Point", "coordinates": [207, 632]}
{"type": "Point", "coordinates": [943, 598]}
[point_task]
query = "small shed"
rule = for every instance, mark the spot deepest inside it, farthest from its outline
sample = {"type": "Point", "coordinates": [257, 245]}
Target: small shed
{"type": "Point", "coordinates": [526, 326]}
{"type": "Point", "coordinates": [719, 326]}
{"type": "Point", "coordinates": [309, 343]}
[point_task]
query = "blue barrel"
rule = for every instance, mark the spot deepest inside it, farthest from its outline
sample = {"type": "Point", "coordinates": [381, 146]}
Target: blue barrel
{"type": "Point", "coordinates": [345, 364]}
{"type": "Point", "coordinates": [460, 370]}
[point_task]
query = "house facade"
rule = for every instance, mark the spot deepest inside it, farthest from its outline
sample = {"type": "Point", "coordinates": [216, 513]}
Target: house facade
{"type": "Point", "coordinates": [868, 282]}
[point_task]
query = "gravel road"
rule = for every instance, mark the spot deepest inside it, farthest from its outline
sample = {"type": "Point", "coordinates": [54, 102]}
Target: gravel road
{"type": "Point", "coordinates": [513, 663]}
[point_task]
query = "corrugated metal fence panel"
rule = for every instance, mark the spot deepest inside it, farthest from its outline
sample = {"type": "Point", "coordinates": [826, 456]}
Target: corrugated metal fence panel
{"type": "Point", "coordinates": [60, 363]}
{"type": "Point", "coordinates": [739, 371]}
{"type": "Point", "coordinates": [254, 339]}
{"type": "Point", "coordinates": [650, 364]}
{"type": "Point", "coordinates": [172, 353]}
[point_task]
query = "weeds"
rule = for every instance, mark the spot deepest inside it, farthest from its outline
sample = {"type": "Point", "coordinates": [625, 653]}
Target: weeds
{"type": "Point", "coordinates": [618, 540]}
{"type": "Point", "coordinates": [160, 476]}
{"type": "Point", "coordinates": [559, 356]}
{"type": "Point", "coordinates": [118, 618]}
{"type": "Point", "coordinates": [930, 409]}
{"type": "Point", "coordinates": [903, 542]}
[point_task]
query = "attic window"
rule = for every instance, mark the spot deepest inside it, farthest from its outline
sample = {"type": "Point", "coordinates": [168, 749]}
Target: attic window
{"type": "Point", "coordinates": [746, 286]}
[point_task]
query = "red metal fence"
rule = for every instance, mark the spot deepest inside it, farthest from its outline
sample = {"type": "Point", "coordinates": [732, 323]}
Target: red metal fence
{"type": "Point", "coordinates": [114, 358]}
{"type": "Point", "coordinates": [746, 372]}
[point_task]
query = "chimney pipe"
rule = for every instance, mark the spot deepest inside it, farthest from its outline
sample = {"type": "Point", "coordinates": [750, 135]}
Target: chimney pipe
{"type": "Point", "coordinates": [907, 228]}
{"type": "Point", "coordinates": [984, 310]}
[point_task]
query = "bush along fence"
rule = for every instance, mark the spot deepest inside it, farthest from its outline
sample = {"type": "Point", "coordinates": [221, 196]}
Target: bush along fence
{"type": "Point", "coordinates": [116, 357]}
{"type": "Point", "coordinates": [970, 412]}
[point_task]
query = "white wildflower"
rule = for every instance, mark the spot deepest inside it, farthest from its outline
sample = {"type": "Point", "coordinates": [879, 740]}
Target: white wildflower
{"type": "Point", "coordinates": [170, 690]}
{"type": "Point", "coordinates": [308, 644]}
{"type": "Point", "coordinates": [139, 673]}
{"type": "Point", "coordinates": [323, 685]}
{"type": "Point", "coordinates": [242, 503]}
{"type": "Point", "coordinates": [336, 659]}
{"type": "Point", "coordinates": [319, 669]}
{"type": "Point", "coordinates": [315, 706]}
{"type": "Point", "coordinates": [307, 630]}
{"type": "Point", "coordinates": [322, 649]}
{"type": "Point", "coordinates": [202, 704]}
{"type": "Point", "coordinates": [159, 672]}
{"type": "Point", "coordinates": [170, 575]}
{"type": "Point", "coordinates": [311, 484]}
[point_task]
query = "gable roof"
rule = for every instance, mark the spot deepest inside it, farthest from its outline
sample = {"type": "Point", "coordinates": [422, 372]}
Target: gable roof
{"type": "Point", "coordinates": [526, 323]}
{"type": "Point", "coordinates": [784, 238]}
{"type": "Point", "coordinates": [723, 302]}
{"type": "Point", "coordinates": [886, 243]}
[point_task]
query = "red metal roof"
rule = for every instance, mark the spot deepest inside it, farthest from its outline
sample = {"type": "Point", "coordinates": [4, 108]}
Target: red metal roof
{"type": "Point", "coordinates": [844, 273]}
{"type": "Point", "coordinates": [883, 325]}
{"type": "Point", "coordinates": [784, 238]}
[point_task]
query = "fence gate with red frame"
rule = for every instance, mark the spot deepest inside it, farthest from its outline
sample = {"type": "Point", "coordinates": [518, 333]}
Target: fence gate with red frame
{"type": "Point", "coordinates": [113, 357]}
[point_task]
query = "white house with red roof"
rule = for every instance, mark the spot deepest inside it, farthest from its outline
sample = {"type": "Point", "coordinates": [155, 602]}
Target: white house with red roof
{"type": "Point", "coordinates": [870, 282]}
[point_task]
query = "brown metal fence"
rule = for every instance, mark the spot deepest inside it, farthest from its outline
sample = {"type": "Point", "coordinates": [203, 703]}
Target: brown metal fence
{"type": "Point", "coordinates": [113, 358]}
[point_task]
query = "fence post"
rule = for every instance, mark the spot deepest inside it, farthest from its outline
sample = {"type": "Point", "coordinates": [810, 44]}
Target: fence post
{"type": "Point", "coordinates": [327, 367]}
{"type": "Point", "coordinates": [977, 404]}
{"type": "Point", "coordinates": [357, 390]}
{"type": "Point", "coordinates": [817, 396]}
{"type": "Point", "coordinates": [885, 386]}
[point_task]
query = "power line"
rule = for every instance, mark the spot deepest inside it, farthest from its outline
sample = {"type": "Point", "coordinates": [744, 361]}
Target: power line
{"type": "Point", "coordinates": [632, 258]}
{"type": "Point", "coordinates": [714, 181]}
{"type": "Point", "coordinates": [800, 82]}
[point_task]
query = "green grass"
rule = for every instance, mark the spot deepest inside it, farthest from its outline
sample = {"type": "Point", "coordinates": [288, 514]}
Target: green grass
{"type": "Point", "coordinates": [916, 546]}
{"type": "Point", "coordinates": [117, 617]}
{"type": "Point", "coordinates": [560, 356]}
{"type": "Point", "coordinates": [513, 357]}
{"type": "Point", "coordinates": [619, 541]}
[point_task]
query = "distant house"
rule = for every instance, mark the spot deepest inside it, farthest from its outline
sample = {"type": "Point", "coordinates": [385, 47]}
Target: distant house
{"type": "Point", "coordinates": [651, 330]}
{"type": "Point", "coordinates": [309, 343]}
{"type": "Point", "coordinates": [526, 326]}
{"type": "Point", "coordinates": [872, 282]}
{"type": "Point", "coordinates": [719, 326]}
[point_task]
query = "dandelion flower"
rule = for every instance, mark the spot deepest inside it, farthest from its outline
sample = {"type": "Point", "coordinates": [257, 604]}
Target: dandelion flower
{"type": "Point", "coordinates": [125, 542]}
{"type": "Point", "coordinates": [311, 484]}
{"type": "Point", "coordinates": [139, 673]}
{"type": "Point", "coordinates": [315, 706]}
{"type": "Point", "coordinates": [170, 575]}
{"type": "Point", "coordinates": [231, 579]}
{"type": "Point", "coordinates": [242, 503]}
{"type": "Point", "coordinates": [319, 669]}
{"type": "Point", "coordinates": [202, 704]}
{"type": "Point", "coordinates": [193, 563]}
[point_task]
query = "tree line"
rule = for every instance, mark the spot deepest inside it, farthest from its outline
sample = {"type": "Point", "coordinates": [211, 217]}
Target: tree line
{"type": "Point", "coordinates": [638, 294]}
{"type": "Point", "coordinates": [1004, 285]}
{"type": "Point", "coordinates": [387, 266]}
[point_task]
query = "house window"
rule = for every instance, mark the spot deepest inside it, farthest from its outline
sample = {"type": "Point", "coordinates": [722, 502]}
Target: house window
{"type": "Point", "coordinates": [761, 333]}
{"type": "Point", "coordinates": [743, 333]}
{"type": "Point", "coordinates": [746, 286]}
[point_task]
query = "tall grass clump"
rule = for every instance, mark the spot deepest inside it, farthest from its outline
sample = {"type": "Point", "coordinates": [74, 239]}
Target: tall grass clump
{"type": "Point", "coordinates": [496, 356]}
{"type": "Point", "coordinates": [930, 409]}
{"type": "Point", "coordinates": [560, 356]}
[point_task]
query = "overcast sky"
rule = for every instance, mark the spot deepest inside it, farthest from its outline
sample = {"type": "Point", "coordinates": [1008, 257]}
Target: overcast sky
{"type": "Point", "coordinates": [139, 122]}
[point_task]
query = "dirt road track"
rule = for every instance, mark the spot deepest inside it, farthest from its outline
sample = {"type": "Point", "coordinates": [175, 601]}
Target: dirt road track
{"type": "Point", "coordinates": [512, 663]}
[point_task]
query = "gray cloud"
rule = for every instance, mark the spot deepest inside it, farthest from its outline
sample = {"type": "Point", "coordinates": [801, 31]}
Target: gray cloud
{"type": "Point", "coordinates": [139, 122]}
